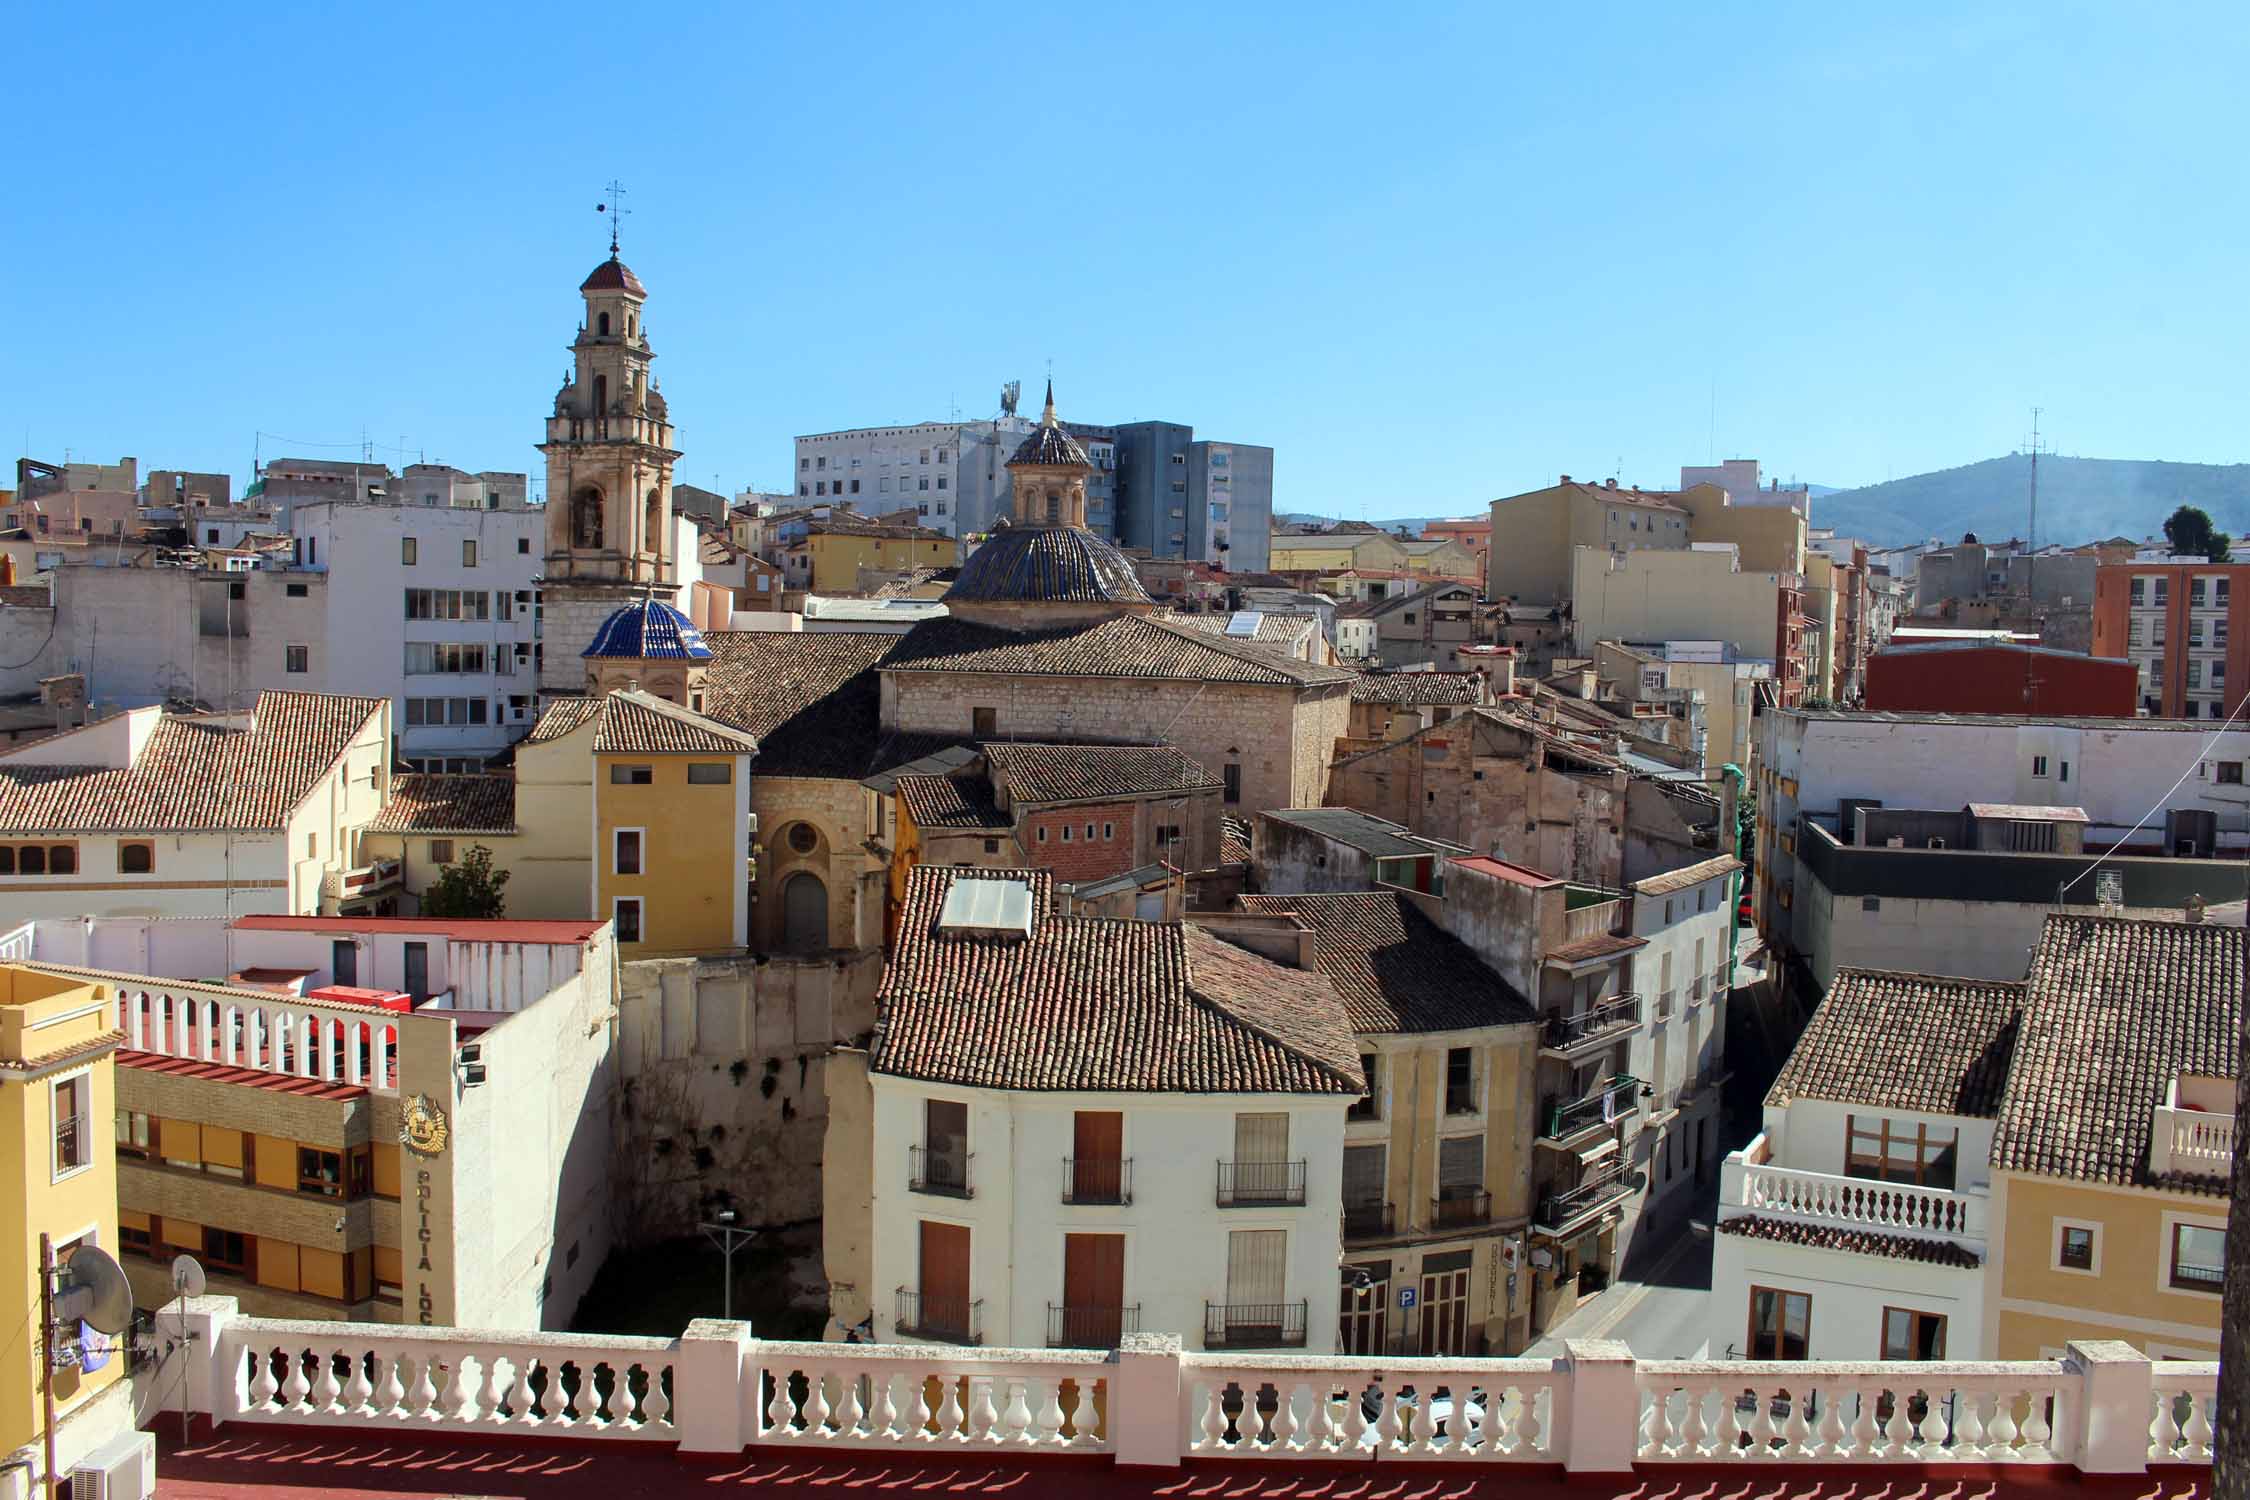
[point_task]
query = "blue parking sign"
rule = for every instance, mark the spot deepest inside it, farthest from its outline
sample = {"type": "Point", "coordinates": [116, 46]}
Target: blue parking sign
{"type": "Point", "coordinates": [1406, 1296]}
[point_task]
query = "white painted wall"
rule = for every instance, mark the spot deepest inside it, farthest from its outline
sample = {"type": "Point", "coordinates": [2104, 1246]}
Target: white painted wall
{"type": "Point", "coordinates": [1849, 1293]}
{"type": "Point", "coordinates": [1175, 1235]}
{"type": "Point", "coordinates": [1808, 1136]}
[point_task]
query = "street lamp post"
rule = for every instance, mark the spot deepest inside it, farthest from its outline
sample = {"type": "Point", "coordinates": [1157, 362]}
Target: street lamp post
{"type": "Point", "coordinates": [729, 1237]}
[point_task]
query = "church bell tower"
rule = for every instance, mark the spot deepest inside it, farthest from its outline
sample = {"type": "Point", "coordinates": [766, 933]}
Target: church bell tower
{"type": "Point", "coordinates": [609, 476]}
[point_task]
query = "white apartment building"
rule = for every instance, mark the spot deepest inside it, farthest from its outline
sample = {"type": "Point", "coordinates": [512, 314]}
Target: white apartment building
{"type": "Point", "coordinates": [953, 475]}
{"type": "Point", "coordinates": [1855, 1226]}
{"type": "Point", "coordinates": [1744, 485]}
{"type": "Point", "coordinates": [1078, 1128]}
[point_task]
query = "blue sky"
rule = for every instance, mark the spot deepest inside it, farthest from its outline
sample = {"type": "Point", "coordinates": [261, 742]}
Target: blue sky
{"type": "Point", "coordinates": [1431, 255]}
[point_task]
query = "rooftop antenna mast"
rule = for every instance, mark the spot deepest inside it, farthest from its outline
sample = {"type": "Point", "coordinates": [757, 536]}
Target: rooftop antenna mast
{"type": "Point", "coordinates": [615, 210]}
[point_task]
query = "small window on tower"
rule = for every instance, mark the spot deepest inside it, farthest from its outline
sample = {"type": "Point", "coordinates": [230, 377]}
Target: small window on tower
{"type": "Point", "coordinates": [601, 325]}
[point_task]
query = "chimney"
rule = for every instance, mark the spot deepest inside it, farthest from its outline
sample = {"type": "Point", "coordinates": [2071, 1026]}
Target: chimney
{"type": "Point", "coordinates": [2195, 909]}
{"type": "Point", "coordinates": [1566, 479]}
{"type": "Point", "coordinates": [1612, 482]}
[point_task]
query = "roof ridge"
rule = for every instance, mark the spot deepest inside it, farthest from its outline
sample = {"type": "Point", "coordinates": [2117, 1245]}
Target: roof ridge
{"type": "Point", "coordinates": [1194, 992]}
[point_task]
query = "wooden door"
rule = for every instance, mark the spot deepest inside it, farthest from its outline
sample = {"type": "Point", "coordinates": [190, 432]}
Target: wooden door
{"type": "Point", "coordinates": [1366, 1314]}
{"type": "Point", "coordinates": [1097, 1160]}
{"type": "Point", "coordinates": [945, 1280]}
{"type": "Point", "coordinates": [1445, 1313]}
{"type": "Point", "coordinates": [1093, 1312]}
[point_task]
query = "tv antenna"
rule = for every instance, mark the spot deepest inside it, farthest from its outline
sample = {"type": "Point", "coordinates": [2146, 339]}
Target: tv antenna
{"type": "Point", "coordinates": [614, 209]}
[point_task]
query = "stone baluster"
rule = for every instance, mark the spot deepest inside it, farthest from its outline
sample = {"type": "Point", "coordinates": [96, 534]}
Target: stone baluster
{"type": "Point", "coordinates": [949, 1422]}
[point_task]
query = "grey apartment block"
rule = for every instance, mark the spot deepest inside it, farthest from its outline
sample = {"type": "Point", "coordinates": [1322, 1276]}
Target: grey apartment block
{"type": "Point", "coordinates": [1183, 497]}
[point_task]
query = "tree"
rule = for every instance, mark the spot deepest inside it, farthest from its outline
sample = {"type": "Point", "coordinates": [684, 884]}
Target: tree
{"type": "Point", "coordinates": [470, 887]}
{"type": "Point", "coordinates": [2189, 531]}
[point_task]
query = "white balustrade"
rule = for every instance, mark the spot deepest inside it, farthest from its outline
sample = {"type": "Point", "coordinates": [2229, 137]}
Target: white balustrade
{"type": "Point", "coordinates": [1705, 1411]}
{"type": "Point", "coordinates": [2103, 1408]}
{"type": "Point", "coordinates": [2195, 1141]}
{"type": "Point", "coordinates": [1858, 1202]}
{"type": "Point", "coordinates": [1363, 1409]}
{"type": "Point", "coordinates": [921, 1395]}
{"type": "Point", "coordinates": [359, 1374]}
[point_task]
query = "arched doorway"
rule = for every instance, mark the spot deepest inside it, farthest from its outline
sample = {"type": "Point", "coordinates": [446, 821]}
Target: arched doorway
{"type": "Point", "coordinates": [804, 913]}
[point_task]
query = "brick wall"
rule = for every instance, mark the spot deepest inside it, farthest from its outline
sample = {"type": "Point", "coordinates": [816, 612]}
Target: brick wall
{"type": "Point", "coordinates": [1078, 857]}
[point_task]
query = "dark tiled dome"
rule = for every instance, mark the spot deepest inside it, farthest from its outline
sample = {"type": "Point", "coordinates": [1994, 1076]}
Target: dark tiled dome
{"type": "Point", "coordinates": [1050, 445]}
{"type": "Point", "coordinates": [1048, 565]}
{"type": "Point", "coordinates": [648, 630]}
{"type": "Point", "coordinates": [613, 275]}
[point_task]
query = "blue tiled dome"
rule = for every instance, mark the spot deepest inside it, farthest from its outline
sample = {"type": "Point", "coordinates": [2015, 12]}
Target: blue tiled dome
{"type": "Point", "coordinates": [649, 631]}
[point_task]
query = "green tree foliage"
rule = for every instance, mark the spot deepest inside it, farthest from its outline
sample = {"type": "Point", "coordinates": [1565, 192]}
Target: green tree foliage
{"type": "Point", "coordinates": [470, 887]}
{"type": "Point", "coordinates": [2189, 530]}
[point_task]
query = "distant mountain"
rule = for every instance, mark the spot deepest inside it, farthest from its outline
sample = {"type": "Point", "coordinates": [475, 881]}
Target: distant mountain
{"type": "Point", "coordinates": [2080, 500]}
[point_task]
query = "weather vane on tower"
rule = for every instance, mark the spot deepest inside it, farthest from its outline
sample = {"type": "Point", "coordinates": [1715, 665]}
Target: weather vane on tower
{"type": "Point", "coordinates": [615, 210]}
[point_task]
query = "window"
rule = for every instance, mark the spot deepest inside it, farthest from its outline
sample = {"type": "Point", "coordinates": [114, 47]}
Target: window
{"type": "Point", "coordinates": [1109, 831]}
{"type": "Point", "coordinates": [1780, 1324]}
{"type": "Point", "coordinates": [1870, 903]}
{"type": "Point", "coordinates": [2163, 586]}
{"type": "Point", "coordinates": [320, 1172]}
{"type": "Point", "coordinates": [628, 852]}
{"type": "Point", "coordinates": [710, 773]}
{"type": "Point", "coordinates": [2195, 593]}
{"type": "Point", "coordinates": [1887, 1152]}
{"type": "Point", "coordinates": [62, 859]}
{"type": "Point", "coordinates": [433, 712]}
{"type": "Point", "coordinates": [225, 1250]}
{"type": "Point", "coordinates": [1369, 1106]}
{"type": "Point", "coordinates": [627, 915]}
{"type": "Point", "coordinates": [2195, 674]}
{"type": "Point", "coordinates": [523, 546]}
{"type": "Point", "coordinates": [2140, 591]}
{"type": "Point", "coordinates": [74, 1142]}
{"type": "Point", "coordinates": [448, 604]}
{"type": "Point", "coordinates": [449, 658]}
{"type": "Point", "coordinates": [312, 846]}
{"type": "Point", "coordinates": [132, 1133]}
{"type": "Point", "coordinates": [137, 1239]}
{"type": "Point", "coordinates": [984, 723]}
{"type": "Point", "coordinates": [136, 858]}
{"type": "Point", "coordinates": [803, 838]}
{"type": "Point", "coordinates": [1911, 1335]}
{"type": "Point", "coordinates": [2077, 1247]}
{"type": "Point", "coordinates": [468, 552]}
{"type": "Point", "coordinates": [2039, 765]}
{"type": "Point", "coordinates": [406, 551]}
{"type": "Point", "coordinates": [631, 775]}
{"type": "Point", "coordinates": [1089, 833]}
{"type": "Point", "coordinates": [1230, 777]}
{"type": "Point", "coordinates": [1460, 1081]}
{"type": "Point", "coordinates": [2230, 772]}
{"type": "Point", "coordinates": [295, 590]}
{"type": "Point", "coordinates": [441, 851]}
{"type": "Point", "coordinates": [296, 660]}
{"type": "Point", "coordinates": [2199, 1257]}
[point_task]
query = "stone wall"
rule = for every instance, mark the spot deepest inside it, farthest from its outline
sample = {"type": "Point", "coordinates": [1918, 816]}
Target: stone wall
{"type": "Point", "coordinates": [723, 1092]}
{"type": "Point", "coordinates": [841, 815]}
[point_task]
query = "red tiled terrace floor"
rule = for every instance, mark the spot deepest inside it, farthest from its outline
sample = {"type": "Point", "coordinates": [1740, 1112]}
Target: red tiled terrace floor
{"type": "Point", "coordinates": [249, 1460]}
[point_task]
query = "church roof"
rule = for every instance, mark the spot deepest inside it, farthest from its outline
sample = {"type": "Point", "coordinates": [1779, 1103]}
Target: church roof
{"type": "Point", "coordinates": [649, 630]}
{"type": "Point", "coordinates": [1048, 565]}
{"type": "Point", "coordinates": [613, 275]}
{"type": "Point", "coordinates": [1049, 444]}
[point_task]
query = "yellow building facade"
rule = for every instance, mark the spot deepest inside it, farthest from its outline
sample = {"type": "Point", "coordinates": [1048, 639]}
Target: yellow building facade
{"type": "Point", "coordinates": [1337, 551]}
{"type": "Point", "coordinates": [2082, 1260]}
{"type": "Point", "coordinates": [832, 554]}
{"type": "Point", "coordinates": [57, 1098]}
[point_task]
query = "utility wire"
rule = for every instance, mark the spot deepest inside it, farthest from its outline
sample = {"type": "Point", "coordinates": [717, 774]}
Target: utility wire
{"type": "Point", "coordinates": [2201, 751]}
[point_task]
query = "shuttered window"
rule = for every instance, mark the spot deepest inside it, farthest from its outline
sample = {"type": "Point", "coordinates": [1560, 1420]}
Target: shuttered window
{"type": "Point", "coordinates": [1363, 1176]}
{"type": "Point", "coordinates": [1254, 1265]}
{"type": "Point", "coordinates": [1261, 1137]}
{"type": "Point", "coordinates": [1461, 1162]}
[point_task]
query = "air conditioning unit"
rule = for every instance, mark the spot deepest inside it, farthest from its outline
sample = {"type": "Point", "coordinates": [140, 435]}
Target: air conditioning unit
{"type": "Point", "coordinates": [124, 1468]}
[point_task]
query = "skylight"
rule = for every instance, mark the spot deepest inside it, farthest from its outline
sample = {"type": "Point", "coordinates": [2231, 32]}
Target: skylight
{"type": "Point", "coordinates": [987, 905]}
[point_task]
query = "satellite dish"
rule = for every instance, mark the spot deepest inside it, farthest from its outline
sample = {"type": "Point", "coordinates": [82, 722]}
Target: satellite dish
{"type": "Point", "coordinates": [187, 1276]}
{"type": "Point", "coordinates": [92, 1289]}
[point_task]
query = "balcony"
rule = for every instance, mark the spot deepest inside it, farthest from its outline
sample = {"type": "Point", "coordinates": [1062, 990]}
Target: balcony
{"type": "Point", "coordinates": [1254, 1325]}
{"type": "Point", "coordinates": [1460, 1210]}
{"type": "Point", "coordinates": [619, 1415]}
{"type": "Point", "coordinates": [1564, 1212]}
{"type": "Point", "coordinates": [1261, 1184]}
{"type": "Point", "coordinates": [1097, 1179]}
{"type": "Point", "coordinates": [1597, 1025]}
{"type": "Point", "coordinates": [1369, 1221]}
{"type": "Point", "coordinates": [943, 1173]}
{"type": "Point", "coordinates": [1570, 1120]}
{"type": "Point", "coordinates": [950, 1320]}
{"type": "Point", "coordinates": [1749, 1183]}
{"type": "Point", "coordinates": [2193, 1130]}
{"type": "Point", "coordinates": [1090, 1327]}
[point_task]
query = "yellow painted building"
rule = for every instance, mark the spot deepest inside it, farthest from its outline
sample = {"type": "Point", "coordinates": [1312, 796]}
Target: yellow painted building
{"type": "Point", "coordinates": [828, 558]}
{"type": "Point", "coordinates": [57, 1097]}
{"type": "Point", "coordinates": [1336, 551]}
{"type": "Point", "coordinates": [2081, 1261]}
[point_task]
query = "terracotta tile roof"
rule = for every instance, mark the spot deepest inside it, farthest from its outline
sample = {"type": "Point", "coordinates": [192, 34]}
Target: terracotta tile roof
{"type": "Point", "coordinates": [638, 724]}
{"type": "Point", "coordinates": [613, 275]}
{"type": "Point", "coordinates": [1922, 1042]}
{"type": "Point", "coordinates": [448, 804]}
{"type": "Point", "coordinates": [1100, 1005]}
{"type": "Point", "coordinates": [1122, 646]}
{"type": "Point", "coordinates": [1397, 970]}
{"type": "Point", "coordinates": [1234, 840]}
{"type": "Point", "coordinates": [628, 722]}
{"type": "Point", "coordinates": [954, 804]}
{"type": "Point", "coordinates": [2118, 1007]}
{"type": "Point", "coordinates": [1855, 1241]}
{"type": "Point", "coordinates": [812, 698]}
{"type": "Point", "coordinates": [1081, 773]}
{"type": "Point", "coordinates": [845, 526]}
{"type": "Point", "coordinates": [1593, 946]}
{"type": "Point", "coordinates": [193, 773]}
{"type": "Point", "coordinates": [1687, 875]}
{"type": "Point", "coordinates": [1419, 687]}
{"type": "Point", "coordinates": [212, 1072]}
{"type": "Point", "coordinates": [1047, 565]}
{"type": "Point", "coordinates": [85, 1046]}
{"type": "Point", "coordinates": [1276, 627]}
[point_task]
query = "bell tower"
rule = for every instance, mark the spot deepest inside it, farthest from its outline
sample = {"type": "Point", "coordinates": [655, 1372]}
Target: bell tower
{"type": "Point", "coordinates": [609, 475]}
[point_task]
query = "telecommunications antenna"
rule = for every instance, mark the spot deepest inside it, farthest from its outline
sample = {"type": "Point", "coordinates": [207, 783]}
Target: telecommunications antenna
{"type": "Point", "coordinates": [91, 1289]}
